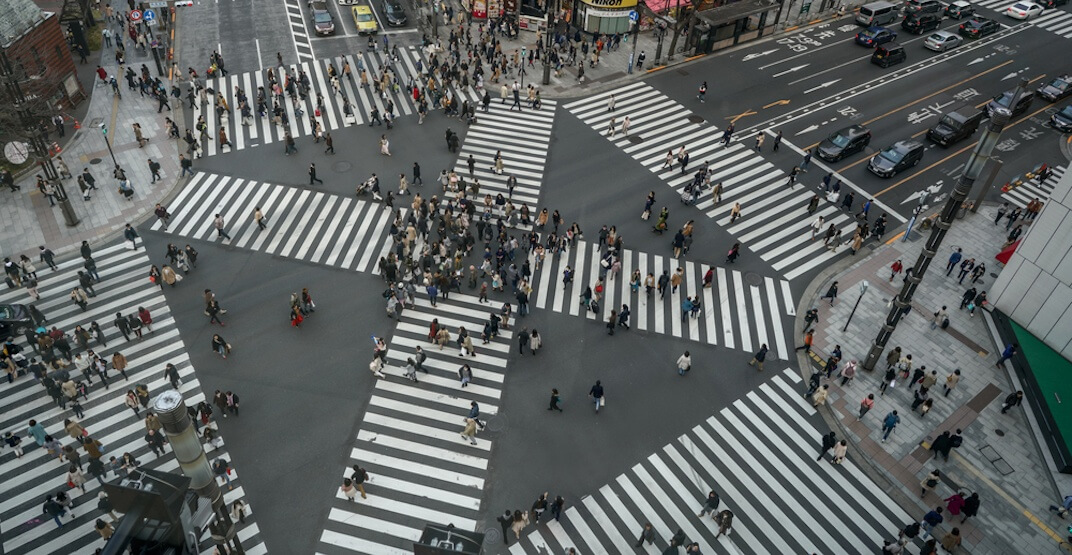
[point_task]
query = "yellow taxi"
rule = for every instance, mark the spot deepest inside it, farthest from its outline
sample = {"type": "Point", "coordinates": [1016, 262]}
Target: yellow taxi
{"type": "Point", "coordinates": [364, 20]}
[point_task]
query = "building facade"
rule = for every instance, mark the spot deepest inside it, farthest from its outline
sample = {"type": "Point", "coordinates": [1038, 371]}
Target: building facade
{"type": "Point", "coordinates": [1035, 287]}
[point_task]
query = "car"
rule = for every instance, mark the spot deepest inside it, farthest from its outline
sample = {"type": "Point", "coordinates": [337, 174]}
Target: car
{"type": "Point", "coordinates": [940, 41]}
{"type": "Point", "coordinates": [1049, 4]}
{"type": "Point", "coordinates": [15, 319]}
{"type": "Point", "coordinates": [845, 142]}
{"type": "Point", "coordinates": [896, 158]}
{"type": "Point", "coordinates": [959, 9]}
{"type": "Point", "coordinates": [875, 36]}
{"type": "Point", "coordinates": [978, 27]}
{"type": "Point", "coordinates": [364, 20]}
{"type": "Point", "coordinates": [323, 22]}
{"type": "Point", "coordinates": [1062, 121]}
{"type": "Point", "coordinates": [1023, 10]}
{"type": "Point", "coordinates": [956, 125]}
{"type": "Point", "coordinates": [393, 13]}
{"type": "Point", "coordinates": [1056, 89]}
{"type": "Point", "coordinates": [1003, 101]}
{"type": "Point", "coordinates": [886, 55]}
{"type": "Point", "coordinates": [921, 22]}
{"type": "Point", "coordinates": [348, 2]}
{"type": "Point", "coordinates": [923, 6]}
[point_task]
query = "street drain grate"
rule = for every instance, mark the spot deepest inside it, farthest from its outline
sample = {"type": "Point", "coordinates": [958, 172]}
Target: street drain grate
{"type": "Point", "coordinates": [1000, 433]}
{"type": "Point", "coordinates": [95, 161]}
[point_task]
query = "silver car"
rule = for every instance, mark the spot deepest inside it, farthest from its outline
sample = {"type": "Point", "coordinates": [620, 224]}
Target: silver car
{"type": "Point", "coordinates": [940, 41]}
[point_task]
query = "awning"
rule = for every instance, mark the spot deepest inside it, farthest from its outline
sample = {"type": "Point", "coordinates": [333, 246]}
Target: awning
{"type": "Point", "coordinates": [660, 6]}
{"type": "Point", "coordinates": [737, 10]}
{"type": "Point", "coordinates": [1006, 253]}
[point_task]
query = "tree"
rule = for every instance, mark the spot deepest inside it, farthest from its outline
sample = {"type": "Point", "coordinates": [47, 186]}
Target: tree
{"type": "Point", "coordinates": [694, 6]}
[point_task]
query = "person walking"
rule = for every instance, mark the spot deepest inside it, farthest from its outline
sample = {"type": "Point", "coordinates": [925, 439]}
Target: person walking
{"type": "Point", "coordinates": [359, 476]}
{"type": "Point", "coordinates": [684, 363]}
{"type": "Point", "coordinates": [866, 405]}
{"type": "Point", "coordinates": [469, 432]}
{"type": "Point", "coordinates": [889, 423]}
{"type": "Point", "coordinates": [929, 483]}
{"type": "Point", "coordinates": [1013, 400]}
{"type": "Point", "coordinates": [951, 382]}
{"type": "Point", "coordinates": [555, 398]}
{"type": "Point", "coordinates": [312, 175]}
{"type": "Point", "coordinates": [710, 504]}
{"type": "Point", "coordinates": [218, 223]}
{"type": "Point", "coordinates": [647, 534]}
{"type": "Point", "coordinates": [809, 336]}
{"type": "Point", "coordinates": [831, 293]}
{"type": "Point", "coordinates": [954, 259]}
{"type": "Point", "coordinates": [596, 393]}
{"type": "Point", "coordinates": [759, 357]}
{"type": "Point", "coordinates": [828, 442]}
{"type": "Point", "coordinates": [1010, 351]}
{"type": "Point", "coordinates": [930, 520]}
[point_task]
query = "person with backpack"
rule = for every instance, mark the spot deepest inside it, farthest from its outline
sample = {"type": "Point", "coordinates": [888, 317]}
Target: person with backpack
{"type": "Point", "coordinates": [359, 477]}
{"type": "Point", "coordinates": [222, 469]}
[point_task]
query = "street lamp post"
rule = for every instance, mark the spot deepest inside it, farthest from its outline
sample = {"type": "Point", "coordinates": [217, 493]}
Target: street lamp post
{"type": "Point", "coordinates": [660, 32]}
{"type": "Point", "coordinates": [979, 156]}
{"type": "Point", "coordinates": [632, 55]}
{"type": "Point", "coordinates": [549, 42]}
{"type": "Point", "coordinates": [863, 289]}
{"type": "Point", "coordinates": [104, 129]}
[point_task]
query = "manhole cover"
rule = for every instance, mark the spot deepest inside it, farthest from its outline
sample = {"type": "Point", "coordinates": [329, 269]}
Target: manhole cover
{"type": "Point", "coordinates": [492, 536]}
{"type": "Point", "coordinates": [496, 424]}
{"type": "Point", "coordinates": [1000, 433]}
{"type": "Point", "coordinates": [993, 275]}
{"type": "Point", "coordinates": [342, 167]}
{"type": "Point", "coordinates": [753, 278]}
{"type": "Point", "coordinates": [95, 161]}
{"type": "Point", "coordinates": [636, 139]}
{"type": "Point", "coordinates": [696, 119]}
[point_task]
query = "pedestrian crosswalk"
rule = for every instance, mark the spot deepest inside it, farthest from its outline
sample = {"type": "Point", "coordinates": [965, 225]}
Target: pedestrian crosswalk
{"type": "Point", "coordinates": [420, 470]}
{"type": "Point", "coordinates": [1031, 189]}
{"type": "Point", "coordinates": [362, 99]}
{"type": "Point", "coordinates": [24, 482]}
{"type": "Point", "coordinates": [304, 224]}
{"type": "Point", "coordinates": [523, 139]}
{"type": "Point", "coordinates": [1056, 21]}
{"type": "Point", "coordinates": [738, 310]}
{"type": "Point", "coordinates": [759, 456]}
{"type": "Point", "coordinates": [774, 221]}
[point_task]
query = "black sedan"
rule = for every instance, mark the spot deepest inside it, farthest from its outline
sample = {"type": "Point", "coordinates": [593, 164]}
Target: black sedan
{"type": "Point", "coordinates": [1062, 121]}
{"type": "Point", "coordinates": [15, 319]}
{"type": "Point", "coordinates": [1057, 89]}
{"type": "Point", "coordinates": [393, 13]}
{"type": "Point", "coordinates": [978, 27]}
{"type": "Point", "coordinates": [896, 158]}
{"type": "Point", "coordinates": [845, 142]}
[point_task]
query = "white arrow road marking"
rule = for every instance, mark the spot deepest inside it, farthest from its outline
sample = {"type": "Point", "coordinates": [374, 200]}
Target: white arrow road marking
{"type": "Point", "coordinates": [791, 70]}
{"type": "Point", "coordinates": [758, 54]}
{"type": "Point", "coordinates": [823, 86]}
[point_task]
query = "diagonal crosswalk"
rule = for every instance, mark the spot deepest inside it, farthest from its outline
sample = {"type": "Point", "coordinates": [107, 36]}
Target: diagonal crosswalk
{"type": "Point", "coordinates": [759, 455]}
{"type": "Point", "coordinates": [1031, 189]}
{"type": "Point", "coordinates": [738, 311]}
{"type": "Point", "coordinates": [523, 140]}
{"type": "Point", "coordinates": [775, 221]}
{"type": "Point", "coordinates": [362, 98]}
{"type": "Point", "coordinates": [26, 481]}
{"type": "Point", "coordinates": [304, 224]}
{"type": "Point", "coordinates": [1056, 21]}
{"type": "Point", "coordinates": [421, 470]}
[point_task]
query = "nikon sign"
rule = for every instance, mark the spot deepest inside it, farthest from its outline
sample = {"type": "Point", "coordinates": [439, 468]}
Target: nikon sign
{"type": "Point", "coordinates": [612, 4]}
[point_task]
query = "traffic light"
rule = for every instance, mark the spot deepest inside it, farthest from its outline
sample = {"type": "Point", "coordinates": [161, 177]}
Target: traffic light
{"type": "Point", "coordinates": [104, 129]}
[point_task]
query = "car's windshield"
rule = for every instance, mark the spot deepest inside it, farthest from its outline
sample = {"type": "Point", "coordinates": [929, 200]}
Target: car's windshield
{"type": "Point", "coordinates": [1067, 112]}
{"type": "Point", "coordinates": [893, 154]}
{"type": "Point", "coordinates": [1059, 84]}
{"type": "Point", "coordinates": [322, 17]}
{"type": "Point", "coordinates": [364, 17]}
{"type": "Point", "coordinates": [840, 140]}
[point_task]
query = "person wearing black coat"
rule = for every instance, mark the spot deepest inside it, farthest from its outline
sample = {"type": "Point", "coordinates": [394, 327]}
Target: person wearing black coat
{"type": "Point", "coordinates": [829, 440]}
{"type": "Point", "coordinates": [941, 445]}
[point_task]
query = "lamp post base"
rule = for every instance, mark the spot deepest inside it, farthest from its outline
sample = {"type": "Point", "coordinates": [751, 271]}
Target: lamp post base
{"type": "Point", "coordinates": [69, 217]}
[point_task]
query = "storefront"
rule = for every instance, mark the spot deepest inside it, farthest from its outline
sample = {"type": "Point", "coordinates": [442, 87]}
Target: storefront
{"type": "Point", "coordinates": [733, 23]}
{"type": "Point", "coordinates": [604, 16]}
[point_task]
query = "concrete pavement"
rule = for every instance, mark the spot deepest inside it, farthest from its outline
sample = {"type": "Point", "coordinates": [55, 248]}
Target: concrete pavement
{"type": "Point", "coordinates": [29, 220]}
{"type": "Point", "coordinates": [999, 458]}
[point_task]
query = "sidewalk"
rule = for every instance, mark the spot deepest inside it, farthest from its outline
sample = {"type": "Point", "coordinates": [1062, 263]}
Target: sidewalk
{"type": "Point", "coordinates": [28, 219]}
{"type": "Point", "coordinates": [1000, 458]}
{"type": "Point", "coordinates": [613, 66]}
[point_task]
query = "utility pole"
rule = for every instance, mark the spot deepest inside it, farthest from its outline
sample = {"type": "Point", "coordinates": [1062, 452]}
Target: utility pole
{"type": "Point", "coordinates": [979, 157]}
{"type": "Point", "coordinates": [37, 139]}
{"type": "Point", "coordinates": [660, 32]}
{"type": "Point", "coordinates": [632, 55]}
{"type": "Point", "coordinates": [549, 42]}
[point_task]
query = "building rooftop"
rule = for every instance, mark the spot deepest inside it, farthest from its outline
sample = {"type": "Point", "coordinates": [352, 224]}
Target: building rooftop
{"type": "Point", "coordinates": [16, 18]}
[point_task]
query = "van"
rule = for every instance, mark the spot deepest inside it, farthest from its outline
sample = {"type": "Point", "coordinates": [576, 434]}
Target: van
{"type": "Point", "coordinates": [956, 125]}
{"type": "Point", "coordinates": [877, 13]}
{"type": "Point", "coordinates": [889, 54]}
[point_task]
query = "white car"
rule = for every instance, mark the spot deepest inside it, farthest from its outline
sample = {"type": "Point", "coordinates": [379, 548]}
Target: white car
{"type": "Point", "coordinates": [1023, 10]}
